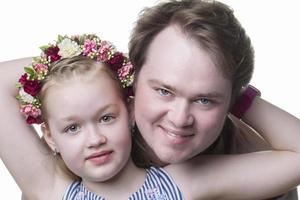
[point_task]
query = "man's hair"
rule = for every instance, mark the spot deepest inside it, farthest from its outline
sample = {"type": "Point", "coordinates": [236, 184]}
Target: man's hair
{"type": "Point", "coordinates": [215, 28]}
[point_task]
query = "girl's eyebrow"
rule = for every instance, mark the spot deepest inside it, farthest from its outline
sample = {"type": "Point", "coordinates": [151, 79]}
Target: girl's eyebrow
{"type": "Point", "coordinates": [78, 118]}
{"type": "Point", "coordinates": [215, 95]}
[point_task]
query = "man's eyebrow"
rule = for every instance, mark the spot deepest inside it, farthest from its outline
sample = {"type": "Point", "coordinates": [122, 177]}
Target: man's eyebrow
{"type": "Point", "coordinates": [216, 95]}
{"type": "Point", "coordinates": [211, 95]}
{"type": "Point", "coordinates": [157, 82]}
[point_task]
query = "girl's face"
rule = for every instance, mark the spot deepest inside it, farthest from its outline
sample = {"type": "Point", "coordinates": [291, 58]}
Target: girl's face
{"type": "Point", "coordinates": [88, 125]}
{"type": "Point", "coordinates": [181, 98]}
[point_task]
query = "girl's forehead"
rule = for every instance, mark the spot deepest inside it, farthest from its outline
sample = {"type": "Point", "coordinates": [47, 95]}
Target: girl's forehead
{"type": "Point", "coordinates": [76, 94]}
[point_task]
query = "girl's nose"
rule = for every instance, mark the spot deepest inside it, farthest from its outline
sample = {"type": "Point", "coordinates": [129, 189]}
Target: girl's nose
{"type": "Point", "coordinates": [95, 137]}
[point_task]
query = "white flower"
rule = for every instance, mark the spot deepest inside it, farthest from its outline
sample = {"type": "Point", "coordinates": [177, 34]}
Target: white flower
{"type": "Point", "coordinates": [25, 96]}
{"type": "Point", "coordinates": [68, 48]}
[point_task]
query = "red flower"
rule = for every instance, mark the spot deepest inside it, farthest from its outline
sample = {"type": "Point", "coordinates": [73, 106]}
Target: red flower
{"type": "Point", "coordinates": [23, 79]}
{"type": "Point", "coordinates": [32, 120]}
{"type": "Point", "coordinates": [52, 52]}
{"type": "Point", "coordinates": [116, 61]}
{"type": "Point", "coordinates": [32, 87]}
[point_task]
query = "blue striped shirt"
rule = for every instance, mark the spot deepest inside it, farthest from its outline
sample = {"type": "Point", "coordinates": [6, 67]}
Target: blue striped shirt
{"type": "Point", "coordinates": [157, 186]}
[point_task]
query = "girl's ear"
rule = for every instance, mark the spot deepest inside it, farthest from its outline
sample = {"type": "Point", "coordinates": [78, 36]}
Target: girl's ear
{"type": "Point", "coordinates": [48, 137]}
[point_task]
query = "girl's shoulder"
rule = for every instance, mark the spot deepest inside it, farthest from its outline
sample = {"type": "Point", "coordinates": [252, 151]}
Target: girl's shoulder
{"type": "Point", "coordinates": [73, 190]}
{"type": "Point", "coordinates": [159, 184]}
{"type": "Point", "coordinates": [77, 191]}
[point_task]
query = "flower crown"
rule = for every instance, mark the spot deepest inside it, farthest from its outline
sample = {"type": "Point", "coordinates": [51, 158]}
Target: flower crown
{"type": "Point", "coordinates": [90, 46]}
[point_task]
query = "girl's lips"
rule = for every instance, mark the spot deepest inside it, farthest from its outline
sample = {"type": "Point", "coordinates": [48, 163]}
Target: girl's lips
{"type": "Point", "coordinates": [100, 157]}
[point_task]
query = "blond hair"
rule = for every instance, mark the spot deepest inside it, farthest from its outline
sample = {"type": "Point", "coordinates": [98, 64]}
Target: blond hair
{"type": "Point", "coordinates": [79, 67]}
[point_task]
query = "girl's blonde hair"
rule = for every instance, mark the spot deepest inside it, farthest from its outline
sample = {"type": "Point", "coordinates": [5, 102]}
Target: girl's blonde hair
{"type": "Point", "coordinates": [79, 67]}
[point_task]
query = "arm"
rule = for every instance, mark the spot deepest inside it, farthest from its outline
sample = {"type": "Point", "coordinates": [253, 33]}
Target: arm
{"type": "Point", "coordinates": [256, 175]}
{"type": "Point", "coordinates": [246, 139]}
{"type": "Point", "coordinates": [21, 149]}
{"type": "Point", "coordinates": [277, 127]}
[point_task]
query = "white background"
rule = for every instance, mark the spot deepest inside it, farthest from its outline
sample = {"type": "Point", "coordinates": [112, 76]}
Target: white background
{"type": "Point", "coordinates": [272, 25]}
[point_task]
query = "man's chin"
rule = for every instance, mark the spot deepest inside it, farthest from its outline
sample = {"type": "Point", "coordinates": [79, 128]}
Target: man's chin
{"type": "Point", "coordinates": [171, 159]}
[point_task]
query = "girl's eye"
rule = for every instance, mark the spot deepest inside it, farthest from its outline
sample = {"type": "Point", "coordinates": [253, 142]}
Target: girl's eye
{"type": "Point", "coordinates": [106, 119]}
{"type": "Point", "coordinates": [163, 92]}
{"type": "Point", "coordinates": [74, 128]}
{"type": "Point", "coordinates": [204, 101]}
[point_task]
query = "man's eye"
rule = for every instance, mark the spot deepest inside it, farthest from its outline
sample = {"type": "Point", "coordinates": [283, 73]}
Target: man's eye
{"type": "Point", "coordinates": [163, 92]}
{"type": "Point", "coordinates": [204, 101]}
{"type": "Point", "coordinates": [74, 128]}
{"type": "Point", "coordinates": [106, 119]}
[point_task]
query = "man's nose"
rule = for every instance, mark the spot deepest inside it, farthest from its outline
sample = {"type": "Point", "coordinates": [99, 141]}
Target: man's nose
{"type": "Point", "coordinates": [180, 114]}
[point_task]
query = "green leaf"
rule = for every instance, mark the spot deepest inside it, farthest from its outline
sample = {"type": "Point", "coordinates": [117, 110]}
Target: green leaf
{"type": "Point", "coordinates": [36, 59]}
{"type": "Point", "coordinates": [59, 38]}
{"type": "Point", "coordinates": [31, 72]}
{"type": "Point", "coordinates": [44, 48]}
{"type": "Point", "coordinates": [81, 39]}
{"type": "Point", "coordinates": [19, 85]}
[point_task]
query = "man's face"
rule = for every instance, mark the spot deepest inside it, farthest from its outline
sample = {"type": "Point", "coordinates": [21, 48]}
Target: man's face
{"type": "Point", "coordinates": [181, 97]}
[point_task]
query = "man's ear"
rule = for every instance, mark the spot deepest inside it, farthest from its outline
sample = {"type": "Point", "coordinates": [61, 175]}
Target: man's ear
{"type": "Point", "coordinates": [48, 137]}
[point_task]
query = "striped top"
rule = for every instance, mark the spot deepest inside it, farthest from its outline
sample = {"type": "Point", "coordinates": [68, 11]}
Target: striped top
{"type": "Point", "coordinates": [157, 186]}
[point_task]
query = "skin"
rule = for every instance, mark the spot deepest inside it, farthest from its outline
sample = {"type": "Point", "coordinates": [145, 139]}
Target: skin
{"type": "Point", "coordinates": [177, 120]}
{"type": "Point", "coordinates": [97, 128]}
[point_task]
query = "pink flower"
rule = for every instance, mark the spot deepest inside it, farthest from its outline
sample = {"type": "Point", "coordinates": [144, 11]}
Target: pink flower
{"type": "Point", "coordinates": [40, 68]}
{"type": "Point", "coordinates": [32, 87]}
{"type": "Point", "coordinates": [104, 51]}
{"type": "Point", "coordinates": [103, 56]}
{"type": "Point", "coordinates": [89, 46]}
{"type": "Point", "coordinates": [116, 61]}
{"type": "Point", "coordinates": [23, 78]}
{"type": "Point", "coordinates": [52, 53]}
{"type": "Point", "coordinates": [33, 114]}
{"type": "Point", "coordinates": [30, 110]}
{"type": "Point", "coordinates": [125, 71]}
{"type": "Point", "coordinates": [104, 46]}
